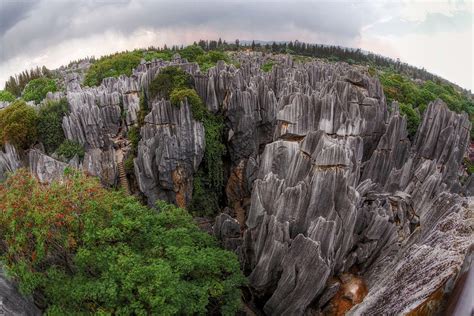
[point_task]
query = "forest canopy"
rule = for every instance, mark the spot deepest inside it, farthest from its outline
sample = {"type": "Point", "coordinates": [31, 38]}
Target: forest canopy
{"type": "Point", "coordinates": [80, 248]}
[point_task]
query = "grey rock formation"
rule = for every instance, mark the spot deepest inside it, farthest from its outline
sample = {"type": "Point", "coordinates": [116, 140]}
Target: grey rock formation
{"type": "Point", "coordinates": [322, 178]}
{"type": "Point", "coordinates": [12, 303]}
{"type": "Point", "coordinates": [9, 161]}
{"type": "Point", "coordinates": [45, 168]}
{"type": "Point", "coordinates": [170, 151]}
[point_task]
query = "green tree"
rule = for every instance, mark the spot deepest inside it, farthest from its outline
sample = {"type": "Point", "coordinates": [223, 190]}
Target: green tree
{"type": "Point", "coordinates": [18, 125]}
{"type": "Point", "coordinates": [169, 78]}
{"type": "Point", "coordinates": [37, 89]}
{"type": "Point", "coordinates": [50, 131]}
{"type": "Point", "coordinates": [6, 96]}
{"type": "Point", "coordinates": [192, 52]}
{"type": "Point", "coordinates": [69, 148]}
{"type": "Point", "coordinates": [112, 66]}
{"type": "Point", "coordinates": [85, 250]}
{"type": "Point", "coordinates": [413, 119]}
{"type": "Point", "coordinates": [266, 67]}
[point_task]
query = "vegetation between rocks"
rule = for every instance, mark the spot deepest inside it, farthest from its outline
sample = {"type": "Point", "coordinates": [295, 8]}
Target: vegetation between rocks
{"type": "Point", "coordinates": [37, 89]}
{"type": "Point", "coordinates": [50, 118]}
{"type": "Point", "coordinates": [18, 125]}
{"type": "Point", "coordinates": [81, 249]}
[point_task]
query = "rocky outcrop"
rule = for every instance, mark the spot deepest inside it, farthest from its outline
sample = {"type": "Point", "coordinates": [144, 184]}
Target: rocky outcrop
{"type": "Point", "coordinates": [12, 303]}
{"type": "Point", "coordinates": [170, 151]}
{"type": "Point", "coordinates": [9, 160]}
{"type": "Point", "coordinates": [331, 199]}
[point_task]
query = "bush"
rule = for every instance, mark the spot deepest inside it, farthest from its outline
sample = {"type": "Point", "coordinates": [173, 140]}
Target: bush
{"type": "Point", "coordinates": [134, 137]}
{"type": "Point", "coordinates": [129, 165]}
{"type": "Point", "coordinates": [85, 250]}
{"type": "Point", "coordinates": [164, 55]}
{"type": "Point", "coordinates": [413, 119]}
{"type": "Point", "coordinates": [266, 67]}
{"type": "Point", "coordinates": [6, 96]}
{"type": "Point", "coordinates": [18, 125]}
{"type": "Point", "coordinates": [192, 52]}
{"type": "Point", "coordinates": [210, 59]}
{"type": "Point", "coordinates": [112, 66]}
{"type": "Point", "coordinates": [50, 130]}
{"type": "Point", "coordinates": [168, 79]}
{"type": "Point", "coordinates": [68, 149]}
{"type": "Point", "coordinates": [37, 89]}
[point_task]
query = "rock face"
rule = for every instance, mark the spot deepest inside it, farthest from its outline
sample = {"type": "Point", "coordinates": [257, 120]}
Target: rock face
{"type": "Point", "coordinates": [339, 186]}
{"type": "Point", "coordinates": [9, 161]}
{"type": "Point", "coordinates": [11, 302]}
{"type": "Point", "coordinates": [169, 153]}
{"type": "Point", "coordinates": [331, 199]}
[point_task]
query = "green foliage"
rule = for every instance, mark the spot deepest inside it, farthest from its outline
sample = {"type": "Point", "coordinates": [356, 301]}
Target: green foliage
{"type": "Point", "coordinates": [112, 66]}
{"type": "Point", "coordinates": [400, 88]}
{"type": "Point", "coordinates": [68, 149]}
{"type": "Point", "coordinates": [86, 250]}
{"type": "Point", "coordinates": [413, 119]}
{"type": "Point", "coordinates": [372, 71]}
{"type": "Point", "coordinates": [164, 55]}
{"type": "Point", "coordinates": [192, 52]}
{"type": "Point", "coordinates": [134, 137]}
{"type": "Point", "coordinates": [179, 94]}
{"type": "Point", "coordinates": [37, 89]}
{"type": "Point", "coordinates": [50, 130]}
{"type": "Point", "coordinates": [143, 109]}
{"type": "Point", "coordinates": [210, 59]}
{"type": "Point", "coordinates": [266, 67]}
{"type": "Point", "coordinates": [469, 166]}
{"type": "Point", "coordinates": [16, 84]}
{"type": "Point", "coordinates": [18, 125]}
{"type": "Point", "coordinates": [209, 180]}
{"type": "Point", "coordinates": [129, 165]}
{"type": "Point", "coordinates": [168, 79]}
{"type": "Point", "coordinates": [6, 96]}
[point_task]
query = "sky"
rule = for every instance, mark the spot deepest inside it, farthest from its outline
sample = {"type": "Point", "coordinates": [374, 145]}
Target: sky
{"type": "Point", "coordinates": [436, 35]}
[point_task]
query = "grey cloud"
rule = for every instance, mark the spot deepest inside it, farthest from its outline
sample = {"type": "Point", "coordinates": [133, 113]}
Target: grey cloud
{"type": "Point", "coordinates": [54, 21]}
{"type": "Point", "coordinates": [13, 11]}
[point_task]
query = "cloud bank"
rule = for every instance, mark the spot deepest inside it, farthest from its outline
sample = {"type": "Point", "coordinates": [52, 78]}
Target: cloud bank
{"type": "Point", "coordinates": [437, 36]}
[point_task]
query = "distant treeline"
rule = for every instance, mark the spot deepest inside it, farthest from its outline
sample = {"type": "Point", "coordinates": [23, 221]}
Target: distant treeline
{"type": "Point", "coordinates": [16, 84]}
{"type": "Point", "coordinates": [332, 53]}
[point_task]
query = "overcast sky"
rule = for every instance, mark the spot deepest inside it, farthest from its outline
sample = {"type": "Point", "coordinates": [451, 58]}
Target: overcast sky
{"type": "Point", "coordinates": [434, 35]}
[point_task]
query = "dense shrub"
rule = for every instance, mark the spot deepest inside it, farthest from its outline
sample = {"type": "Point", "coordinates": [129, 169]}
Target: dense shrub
{"type": "Point", "coordinates": [68, 149]}
{"type": "Point", "coordinates": [266, 67]}
{"type": "Point", "coordinates": [400, 88]}
{"type": "Point", "coordinates": [112, 66]}
{"type": "Point", "coordinates": [85, 250]}
{"type": "Point", "coordinates": [50, 130]}
{"type": "Point", "coordinates": [168, 79]}
{"type": "Point", "coordinates": [17, 83]}
{"type": "Point", "coordinates": [37, 89]}
{"type": "Point", "coordinates": [6, 96]}
{"type": "Point", "coordinates": [134, 137]}
{"type": "Point", "coordinates": [18, 125]}
{"type": "Point", "coordinates": [129, 165]}
{"type": "Point", "coordinates": [413, 119]}
{"type": "Point", "coordinates": [209, 180]}
{"type": "Point", "coordinates": [192, 52]}
{"type": "Point", "coordinates": [210, 59]}
{"type": "Point", "coordinates": [164, 55]}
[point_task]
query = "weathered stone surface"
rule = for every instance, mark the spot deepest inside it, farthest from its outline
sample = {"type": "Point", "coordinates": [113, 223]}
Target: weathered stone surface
{"type": "Point", "coordinates": [170, 151]}
{"type": "Point", "coordinates": [321, 177]}
{"type": "Point", "coordinates": [12, 303]}
{"type": "Point", "coordinates": [9, 160]}
{"type": "Point", "coordinates": [45, 168]}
